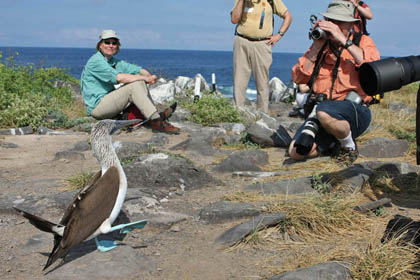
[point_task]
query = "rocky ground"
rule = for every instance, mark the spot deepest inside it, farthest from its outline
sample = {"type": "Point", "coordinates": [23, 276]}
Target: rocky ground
{"type": "Point", "coordinates": [178, 183]}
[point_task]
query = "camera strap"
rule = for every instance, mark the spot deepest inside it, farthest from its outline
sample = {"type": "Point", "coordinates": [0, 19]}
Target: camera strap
{"type": "Point", "coordinates": [318, 63]}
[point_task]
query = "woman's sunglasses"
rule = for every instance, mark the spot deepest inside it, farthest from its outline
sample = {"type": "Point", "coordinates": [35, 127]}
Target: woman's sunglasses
{"type": "Point", "coordinates": [114, 43]}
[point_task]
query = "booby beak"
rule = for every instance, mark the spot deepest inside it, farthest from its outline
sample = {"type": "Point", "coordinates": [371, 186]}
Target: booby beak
{"type": "Point", "coordinates": [119, 124]}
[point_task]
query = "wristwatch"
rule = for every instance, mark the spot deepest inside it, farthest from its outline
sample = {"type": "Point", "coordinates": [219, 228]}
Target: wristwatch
{"type": "Point", "coordinates": [348, 44]}
{"type": "Point", "coordinates": [281, 33]}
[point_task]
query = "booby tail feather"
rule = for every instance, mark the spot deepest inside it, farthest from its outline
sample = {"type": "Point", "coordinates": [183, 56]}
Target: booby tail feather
{"type": "Point", "coordinates": [39, 222]}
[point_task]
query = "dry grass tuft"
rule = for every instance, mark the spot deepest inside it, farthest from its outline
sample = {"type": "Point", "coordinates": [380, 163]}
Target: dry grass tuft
{"type": "Point", "coordinates": [77, 181]}
{"type": "Point", "coordinates": [387, 261]}
{"type": "Point", "coordinates": [320, 217]}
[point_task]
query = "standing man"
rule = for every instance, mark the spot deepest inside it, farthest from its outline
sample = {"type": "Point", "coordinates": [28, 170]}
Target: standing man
{"type": "Point", "coordinates": [252, 47]}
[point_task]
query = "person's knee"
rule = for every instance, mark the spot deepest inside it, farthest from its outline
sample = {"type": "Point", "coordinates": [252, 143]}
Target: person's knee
{"type": "Point", "coordinates": [323, 117]}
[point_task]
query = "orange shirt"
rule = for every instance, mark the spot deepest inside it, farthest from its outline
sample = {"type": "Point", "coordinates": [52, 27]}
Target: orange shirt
{"type": "Point", "coordinates": [348, 76]}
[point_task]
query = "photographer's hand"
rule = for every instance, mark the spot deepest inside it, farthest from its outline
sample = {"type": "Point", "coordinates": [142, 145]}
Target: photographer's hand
{"type": "Point", "coordinates": [334, 31]}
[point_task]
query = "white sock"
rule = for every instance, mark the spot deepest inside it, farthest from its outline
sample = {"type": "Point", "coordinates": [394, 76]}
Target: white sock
{"type": "Point", "coordinates": [347, 142]}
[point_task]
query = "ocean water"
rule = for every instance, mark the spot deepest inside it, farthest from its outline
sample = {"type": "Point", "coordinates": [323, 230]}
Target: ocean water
{"type": "Point", "coordinates": [166, 63]}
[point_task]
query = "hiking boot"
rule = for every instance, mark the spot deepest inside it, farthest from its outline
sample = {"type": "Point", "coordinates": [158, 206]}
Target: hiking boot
{"type": "Point", "coordinates": [161, 125]}
{"type": "Point", "coordinates": [167, 113]}
{"type": "Point", "coordinates": [345, 156]}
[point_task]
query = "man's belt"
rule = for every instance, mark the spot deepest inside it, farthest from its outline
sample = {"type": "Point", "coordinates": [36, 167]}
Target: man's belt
{"type": "Point", "coordinates": [253, 39]}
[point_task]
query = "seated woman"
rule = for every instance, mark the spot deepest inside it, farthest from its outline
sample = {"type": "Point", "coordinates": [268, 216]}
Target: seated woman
{"type": "Point", "coordinates": [100, 75]}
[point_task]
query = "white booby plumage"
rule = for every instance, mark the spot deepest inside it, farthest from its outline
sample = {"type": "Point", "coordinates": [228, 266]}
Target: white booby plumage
{"type": "Point", "coordinates": [94, 209]}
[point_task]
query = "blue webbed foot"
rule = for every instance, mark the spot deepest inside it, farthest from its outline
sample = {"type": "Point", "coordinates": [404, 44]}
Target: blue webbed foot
{"type": "Point", "coordinates": [126, 228]}
{"type": "Point", "coordinates": [105, 245]}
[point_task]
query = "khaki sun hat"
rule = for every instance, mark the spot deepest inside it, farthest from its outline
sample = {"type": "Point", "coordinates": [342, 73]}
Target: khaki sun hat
{"type": "Point", "coordinates": [341, 11]}
{"type": "Point", "coordinates": [108, 33]}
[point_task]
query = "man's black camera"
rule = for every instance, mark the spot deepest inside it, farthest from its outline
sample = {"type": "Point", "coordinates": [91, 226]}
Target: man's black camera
{"type": "Point", "coordinates": [389, 74]}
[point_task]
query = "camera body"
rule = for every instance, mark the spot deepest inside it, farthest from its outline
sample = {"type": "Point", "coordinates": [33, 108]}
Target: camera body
{"type": "Point", "coordinates": [311, 126]}
{"type": "Point", "coordinates": [317, 33]}
{"type": "Point", "coordinates": [354, 97]}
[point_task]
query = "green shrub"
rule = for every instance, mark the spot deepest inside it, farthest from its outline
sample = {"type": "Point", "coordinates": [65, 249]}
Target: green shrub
{"type": "Point", "coordinates": [210, 109]}
{"type": "Point", "coordinates": [28, 94]}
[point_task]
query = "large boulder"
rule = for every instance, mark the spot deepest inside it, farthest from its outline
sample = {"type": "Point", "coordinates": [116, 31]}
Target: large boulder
{"type": "Point", "coordinates": [269, 133]}
{"type": "Point", "coordinates": [157, 174]}
{"type": "Point", "coordinates": [163, 93]}
{"type": "Point", "coordinates": [278, 90]}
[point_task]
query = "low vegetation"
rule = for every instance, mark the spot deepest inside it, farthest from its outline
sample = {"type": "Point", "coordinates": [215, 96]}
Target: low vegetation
{"type": "Point", "coordinates": [211, 109]}
{"type": "Point", "coordinates": [29, 96]}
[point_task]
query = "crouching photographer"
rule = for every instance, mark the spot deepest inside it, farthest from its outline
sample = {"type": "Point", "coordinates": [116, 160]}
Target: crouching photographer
{"type": "Point", "coordinates": [336, 111]}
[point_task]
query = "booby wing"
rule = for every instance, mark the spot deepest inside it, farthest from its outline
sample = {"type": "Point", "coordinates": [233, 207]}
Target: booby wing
{"type": "Point", "coordinates": [82, 192]}
{"type": "Point", "coordinates": [90, 208]}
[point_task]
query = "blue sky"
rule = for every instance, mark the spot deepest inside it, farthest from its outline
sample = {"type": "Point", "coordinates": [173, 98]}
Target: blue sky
{"type": "Point", "coordinates": [185, 24]}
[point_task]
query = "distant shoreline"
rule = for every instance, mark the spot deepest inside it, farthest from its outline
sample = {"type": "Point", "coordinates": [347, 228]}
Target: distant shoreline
{"type": "Point", "coordinates": [174, 50]}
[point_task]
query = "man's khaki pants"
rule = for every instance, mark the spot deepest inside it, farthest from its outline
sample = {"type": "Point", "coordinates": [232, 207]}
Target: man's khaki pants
{"type": "Point", "coordinates": [117, 100]}
{"type": "Point", "coordinates": [255, 57]}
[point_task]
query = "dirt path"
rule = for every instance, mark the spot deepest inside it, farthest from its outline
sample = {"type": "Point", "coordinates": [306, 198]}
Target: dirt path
{"type": "Point", "coordinates": [185, 251]}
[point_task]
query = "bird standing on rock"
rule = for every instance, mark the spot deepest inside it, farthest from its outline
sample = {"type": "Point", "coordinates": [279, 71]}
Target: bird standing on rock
{"type": "Point", "coordinates": [93, 210]}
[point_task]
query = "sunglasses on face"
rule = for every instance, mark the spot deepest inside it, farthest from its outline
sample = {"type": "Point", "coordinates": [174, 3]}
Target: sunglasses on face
{"type": "Point", "coordinates": [114, 43]}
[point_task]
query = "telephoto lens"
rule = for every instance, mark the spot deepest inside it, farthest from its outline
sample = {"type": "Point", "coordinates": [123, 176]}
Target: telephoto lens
{"type": "Point", "coordinates": [305, 141]}
{"type": "Point", "coordinates": [389, 74]}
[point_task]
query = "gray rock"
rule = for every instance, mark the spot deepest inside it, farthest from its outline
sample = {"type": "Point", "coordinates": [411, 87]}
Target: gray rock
{"type": "Point", "coordinates": [257, 174]}
{"type": "Point", "coordinates": [384, 148]}
{"type": "Point", "coordinates": [188, 127]}
{"type": "Point", "coordinates": [156, 174]}
{"type": "Point", "coordinates": [237, 233]}
{"type": "Point", "coordinates": [42, 130]}
{"type": "Point", "coordinates": [221, 211]}
{"type": "Point", "coordinates": [401, 108]}
{"type": "Point", "coordinates": [130, 150]}
{"type": "Point", "coordinates": [180, 115]}
{"type": "Point", "coordinates": [85, 262]}
{"type": "Point", "coordinates": [278, 90]}
{"type": "Point", "coordinates": [17, 131]}
{"type": "Point", "coordinates": [249, 160]}
{"type": "Point", "coordinates": [350, 179]}
{"type": "Point", "coordinates": [280, 109]}
{"type": "Point", "coordinates": [163, 92]}
{"type": "Point", "coordinates": [209, 133]}
{"type": "Point", "coordinates": [232, 139]}
{"type": "Point", "coordinates": [197, 145]}
{"type": "Point", "coordinates": [158, 139]}
{"type": "Point", "coordinates": [391, 168]}
{"type": "Point", "coordinates": [269, 134]}
{"type": "Point", "coordinates": [84, 127]}
{"type": "Point", "coordinates": [81, 146]}
{"type": "Point", "coordinates": [301, 185]}
{"type": "Point", "coordinates": [8, 145]}
{"type": "Point", "coordinates": [327, 271]}
{"type": "Point", "coordinates": [235, 128]}
{"type": "Point", "coordinates": [69, 155]}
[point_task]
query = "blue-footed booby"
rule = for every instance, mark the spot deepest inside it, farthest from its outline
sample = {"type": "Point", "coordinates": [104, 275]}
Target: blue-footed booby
{"type": "Point", "coordinates": [93, 210]}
